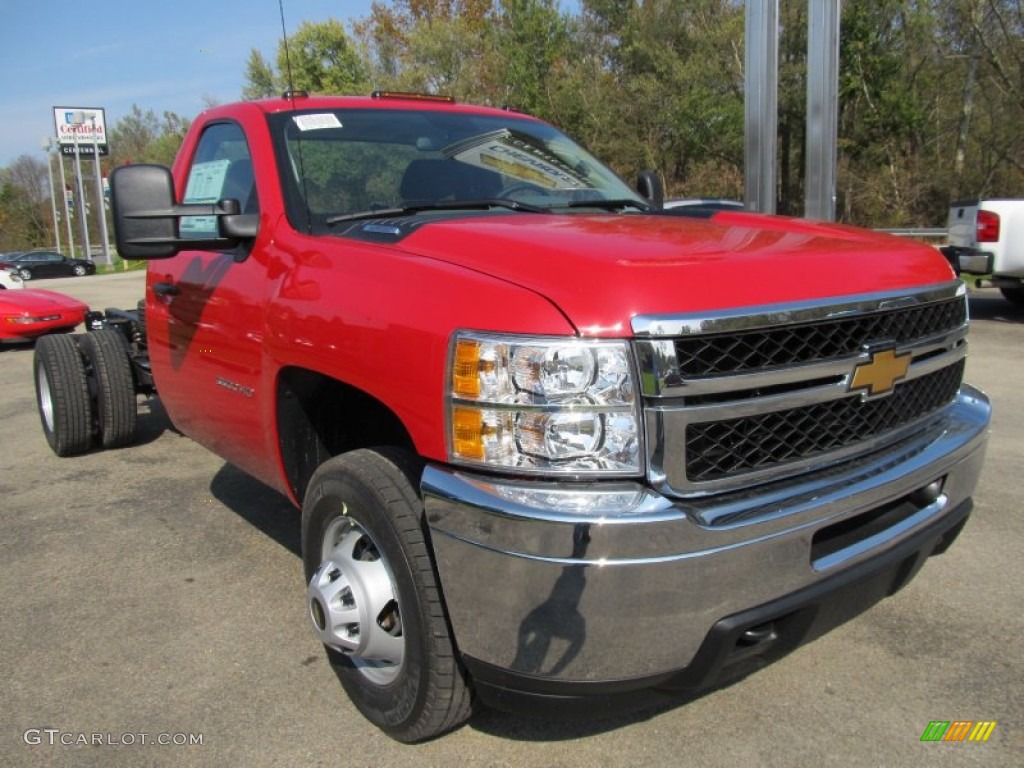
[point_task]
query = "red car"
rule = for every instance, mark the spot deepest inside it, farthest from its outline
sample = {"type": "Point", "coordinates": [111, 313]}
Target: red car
{"type": "Point", "coordinates": [26, 314]}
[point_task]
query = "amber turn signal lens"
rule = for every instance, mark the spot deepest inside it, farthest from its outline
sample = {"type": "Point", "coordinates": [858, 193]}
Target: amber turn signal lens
{"type": "Point", "coordinates": [466, 371]}
{"type": "Point", "coordinates": [468, 433]}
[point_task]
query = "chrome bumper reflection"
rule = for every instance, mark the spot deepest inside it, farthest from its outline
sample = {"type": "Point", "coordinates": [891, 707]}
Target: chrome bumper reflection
{"type": "Point", "coordinates": [613, 580]}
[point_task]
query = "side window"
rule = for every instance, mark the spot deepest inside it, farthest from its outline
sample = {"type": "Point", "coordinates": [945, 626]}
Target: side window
{"type": "Point", "coordinates": [221, 169]}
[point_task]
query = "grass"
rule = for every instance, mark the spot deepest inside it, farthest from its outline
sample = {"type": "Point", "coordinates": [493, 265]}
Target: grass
{"type": "Point", "coordinates": [118, 265]}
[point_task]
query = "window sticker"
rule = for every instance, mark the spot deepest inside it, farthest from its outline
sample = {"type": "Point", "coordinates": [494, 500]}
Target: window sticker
{"type": "Point", "coordinates": [317, 122]}
{"type": "Point", "coordinates": [205, 184]}
{"type": "Point", "coordinates": [205, 181]}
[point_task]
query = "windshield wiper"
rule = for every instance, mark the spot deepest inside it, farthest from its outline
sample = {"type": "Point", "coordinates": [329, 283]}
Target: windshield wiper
{"type": "Point", "coordinates": [441, 205]}
{"type": "Point", "coordinates": [609, 205]}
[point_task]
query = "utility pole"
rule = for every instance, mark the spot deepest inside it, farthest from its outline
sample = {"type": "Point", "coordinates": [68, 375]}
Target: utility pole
{"type": "Point", "coordinates": [64, 203]}
{"type": "Point", "coordinates": [78, 120]}
{"type": "Point", "coordinates": [761, 111]}
{"type": "Point", "coordinates": [822, 109]}
{"type": "Point", "coordinates": [46, 144]}
{"type": "Point", "coordinates": [101, 208]}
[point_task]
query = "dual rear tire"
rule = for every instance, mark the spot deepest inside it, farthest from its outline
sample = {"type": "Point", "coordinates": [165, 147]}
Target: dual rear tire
{"type": "Point", "coordinates": [85, 391]}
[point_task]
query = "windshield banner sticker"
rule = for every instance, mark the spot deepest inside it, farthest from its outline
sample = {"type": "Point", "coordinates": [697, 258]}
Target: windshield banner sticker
{"type": "Point", "coordinates": [517, 156]}
{"type": "Point", "coordinates": [317, 122]}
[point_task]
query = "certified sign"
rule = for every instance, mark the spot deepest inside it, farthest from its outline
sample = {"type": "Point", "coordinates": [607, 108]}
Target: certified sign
{"type": "Point", "coordinates": [80, 129]}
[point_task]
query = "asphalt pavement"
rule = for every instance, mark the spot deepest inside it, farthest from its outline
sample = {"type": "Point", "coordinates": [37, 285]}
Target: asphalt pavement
{"type": "Point", "coordinates": [152, 612]}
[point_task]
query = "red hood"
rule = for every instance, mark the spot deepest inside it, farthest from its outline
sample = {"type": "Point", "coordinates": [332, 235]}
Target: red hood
{"type": "Point", "coordinates": [33, 301]}
{"type": "Point", "coordinates": [601, 270]}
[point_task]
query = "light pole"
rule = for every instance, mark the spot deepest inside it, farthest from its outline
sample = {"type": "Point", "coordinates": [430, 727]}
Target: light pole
{"type": "Point", "coordinates": [64, 202]}
{"type": "Point", "coordinates": [45, 144]}
{"type": "Point", "coordinates": [78, 120]}
{"type": "Point", "coordinates": [101, 211]}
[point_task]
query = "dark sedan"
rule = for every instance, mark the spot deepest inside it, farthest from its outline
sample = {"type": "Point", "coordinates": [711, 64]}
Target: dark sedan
{"type": "Point", "coordinates": [35, 264]}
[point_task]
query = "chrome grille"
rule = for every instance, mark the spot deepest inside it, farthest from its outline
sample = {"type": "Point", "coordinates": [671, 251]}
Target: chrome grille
{"type": "Point", "coordinates": [740, 398]}
{"type": "Point", "coordinates": [807, 342]}
{"type": "Point", "coordinates": [719, 448]}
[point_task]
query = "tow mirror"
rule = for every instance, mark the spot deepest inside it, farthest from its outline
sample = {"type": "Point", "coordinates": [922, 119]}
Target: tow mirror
{"type": "Point", "coordinates": [147, 220]}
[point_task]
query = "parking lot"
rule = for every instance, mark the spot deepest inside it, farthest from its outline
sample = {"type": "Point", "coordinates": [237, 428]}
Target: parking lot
{"type": "Point", "coordinates": [157, 590]}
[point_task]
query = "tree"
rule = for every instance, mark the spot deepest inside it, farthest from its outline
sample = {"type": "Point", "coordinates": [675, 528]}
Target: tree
{"type": "Point", "coordinates": [931, 92]}
{"type": "Point", "coordinates": [142, 137]}
{"type": "Point", "coordinates": [260, 80]}
{"type": "Point", "coordinates": [25, 217]}
{"type": "Point", "coordinates": [318, 58]}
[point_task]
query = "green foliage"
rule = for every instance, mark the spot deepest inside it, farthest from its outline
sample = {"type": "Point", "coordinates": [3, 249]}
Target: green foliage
{"type": "Point", "coordinates": [322, 59]}
{"type": "Point", "coordinates": [318, 58]}
{"type": "Point", "coordinates": [261, 83]}
{"type": "Point", "coordinates": [143, 137]}
{"type": "Point", "coordinates": [25, 218]}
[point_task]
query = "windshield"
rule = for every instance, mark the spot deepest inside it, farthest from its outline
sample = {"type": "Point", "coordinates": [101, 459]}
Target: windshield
{"type": "Point", "coordinates": [342, 164]}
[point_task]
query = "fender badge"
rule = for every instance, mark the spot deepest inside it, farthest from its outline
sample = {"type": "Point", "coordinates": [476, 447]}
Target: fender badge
{"type": "Point", "coordinates": [879, 375]}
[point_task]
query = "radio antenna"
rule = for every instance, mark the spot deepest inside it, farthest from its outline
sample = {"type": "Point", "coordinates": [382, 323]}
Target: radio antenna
{"type": "Point", "coordinates": [290, 94]}
{"type": "Point", "coordinates": [287, 55]}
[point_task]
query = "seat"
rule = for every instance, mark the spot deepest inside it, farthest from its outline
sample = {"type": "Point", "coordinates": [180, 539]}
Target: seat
{"type": "Point", "coordinates": [428, 180]}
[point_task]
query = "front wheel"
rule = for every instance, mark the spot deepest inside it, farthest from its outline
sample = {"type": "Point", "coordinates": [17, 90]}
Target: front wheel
{"type": "Point", "coordinates": [25, 274]}
{"type": "Point", "coordinates": [374, 598]}
{"type": "Point", "coordinates": [78, 270]}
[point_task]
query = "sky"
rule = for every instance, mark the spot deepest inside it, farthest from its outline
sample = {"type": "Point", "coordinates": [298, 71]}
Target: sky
{"type": "Point", "coordinates": [159, 54]}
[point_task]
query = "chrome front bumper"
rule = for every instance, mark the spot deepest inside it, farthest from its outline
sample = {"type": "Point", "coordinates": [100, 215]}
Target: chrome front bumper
{"type": "Point", "coordinates": [563, 583]}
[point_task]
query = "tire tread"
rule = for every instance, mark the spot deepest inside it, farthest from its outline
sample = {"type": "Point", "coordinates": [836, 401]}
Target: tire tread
{"type": "Point", "coordinates": [393, 475]}
{"type": "Point", "coordinates": [116, 409]}
{"type": "Point", "coordinates": [61, 360]}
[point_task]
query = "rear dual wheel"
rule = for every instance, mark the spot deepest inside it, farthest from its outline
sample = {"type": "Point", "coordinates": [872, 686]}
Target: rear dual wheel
{"type": "Point", "coordinates": [85, 391]}
{"type": "Point", "coordinates": [62, 395]}
{"type": "Point", "coordinates": [374, 598]}
{"type": "Point", "coordinates": [106, 352]}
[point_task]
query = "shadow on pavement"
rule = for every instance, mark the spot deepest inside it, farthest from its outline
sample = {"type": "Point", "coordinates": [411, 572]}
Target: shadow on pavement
{"type": "Point", "coordinates": [259, 505]}
{"type": "Point", "coordinates": [990, 305]}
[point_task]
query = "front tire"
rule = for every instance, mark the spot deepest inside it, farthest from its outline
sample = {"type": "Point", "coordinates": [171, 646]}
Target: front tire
{"type": "Point", "coordinates": [25, 274]}
{"type": "Point", "coordinates": [62, 395]}
{"type": "Point", "coordinates": [106, 351]}
{"type": "Point", "coordinates": [374, 598]}
{"type": "Point", "coordinates": [78, 270]}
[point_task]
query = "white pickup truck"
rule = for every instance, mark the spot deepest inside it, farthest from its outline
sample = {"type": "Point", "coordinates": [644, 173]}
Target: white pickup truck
{"type": "Point", "coordinates": [986, 237]}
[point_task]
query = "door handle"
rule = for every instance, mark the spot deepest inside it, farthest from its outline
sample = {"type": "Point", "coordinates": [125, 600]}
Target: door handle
{"type": "Point", "coordinates": [165, 289]}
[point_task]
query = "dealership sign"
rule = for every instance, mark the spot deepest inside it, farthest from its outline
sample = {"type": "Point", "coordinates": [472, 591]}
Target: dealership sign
{"type": "Point", "coordinates": [80, 129]}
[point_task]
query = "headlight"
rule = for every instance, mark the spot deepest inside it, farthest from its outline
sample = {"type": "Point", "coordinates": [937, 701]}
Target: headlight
{"type": "Point", "coordinates": [543, 405]}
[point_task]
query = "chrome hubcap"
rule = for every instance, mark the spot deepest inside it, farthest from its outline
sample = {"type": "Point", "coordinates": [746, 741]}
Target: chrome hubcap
{"type": "Point", "coordinates": [353, 603]}
{"type": "Point", "coordinates": [45, 400]}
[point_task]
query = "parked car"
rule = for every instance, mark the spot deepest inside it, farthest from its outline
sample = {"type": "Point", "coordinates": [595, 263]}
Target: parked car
{"type": "Point", "coordinates": [35, 264]}
{"type": "Point", "coordinates": [10, 280]}
{"type": "Point", "coordinates": [24, 315]}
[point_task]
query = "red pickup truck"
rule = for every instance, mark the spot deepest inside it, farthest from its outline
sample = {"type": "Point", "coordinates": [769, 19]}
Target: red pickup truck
{"type": "Point", "coordinates": [553, 445]}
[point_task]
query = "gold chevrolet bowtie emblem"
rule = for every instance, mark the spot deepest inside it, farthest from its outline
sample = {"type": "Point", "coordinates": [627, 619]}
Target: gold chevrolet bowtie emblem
{"type": "Point", "coordinates": [880, 374]}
